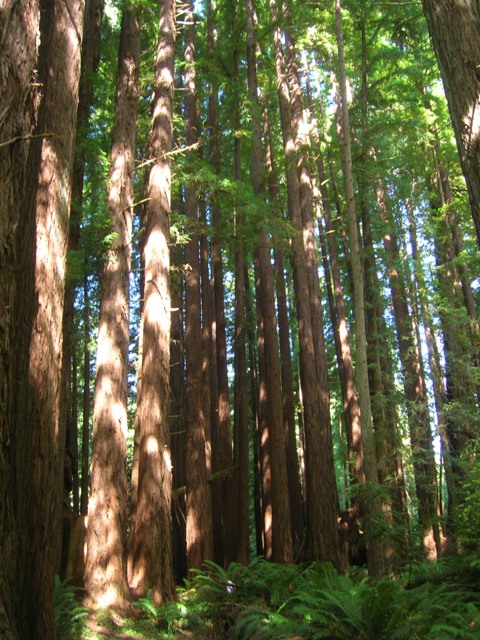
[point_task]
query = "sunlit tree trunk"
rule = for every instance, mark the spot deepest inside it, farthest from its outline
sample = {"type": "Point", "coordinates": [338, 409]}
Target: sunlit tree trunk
{"type": "Point", "coordinates": [415, 390]}
{"type": "Point", "coordinates": [455, 31]}
{"type": "Point", "coordinates": [106, 570]}
{"type": "Point", "coordinates": [150, 542]}
{"type": "Point", "coordinates": [89, 60]}
{"type": "Point", "coordinates": [36, 444]}
{"type": "Point", "coordinates": [328, 499]}
{"type": "Point", "coordinates": [350, 399]}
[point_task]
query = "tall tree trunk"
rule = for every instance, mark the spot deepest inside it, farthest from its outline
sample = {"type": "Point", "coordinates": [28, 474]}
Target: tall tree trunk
{"type": "Point", "coordinates": [282, 549]}
{"type": "Point", "coordinates": [372, 503]}
{"type": "Point", "coordinates": [320, 493]}
{"type": "Point", "coordinates": [199, 529]}
{"type": "Point", "coordinates": [19, 24]}
{"type": "Point", "coordinates": [438, 379]}
{"type": "Point", "coordinates": [150, 542]}
{"type": "Point", "coordinates": [85, 483]}
{"type": "Point", "coordinates": [177, 412]}
{"type": "Point", "coordinates": [89, 60]}
{"type": "Point", "coordinates": [415, 391]}
{"type": "Point", "coordinates": [293, 470]}
{"type": "Point", "coordinates": [328, 499]}
{"type": "Point", "coordinates": [38, 442]}
{"type": "Point", "coordinates": [350, 399]}
{"type": "Point", "coordinates": [106, 571]}
{"type": "Point", "coordinates": [225, 457]}
{"type": "Point", "coordinates": [455, 31]}
{"type": "Point", "coordinates": [240, 390]}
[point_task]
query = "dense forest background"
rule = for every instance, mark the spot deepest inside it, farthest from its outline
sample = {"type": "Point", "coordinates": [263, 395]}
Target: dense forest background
{"type": "Point", "coordinates": [239, 293]}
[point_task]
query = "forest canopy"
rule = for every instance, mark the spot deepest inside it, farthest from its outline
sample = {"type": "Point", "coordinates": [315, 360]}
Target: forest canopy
{"type": "Point", "coordinates": [239, 291]}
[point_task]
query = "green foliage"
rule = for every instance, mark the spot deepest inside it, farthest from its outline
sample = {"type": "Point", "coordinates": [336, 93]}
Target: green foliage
{"type": "Point", "coordinates": [466, 515]}
{"type": "Point", "coordinates": [169, 616]}
{"type": "Point", "coordinates": [265, 601]}
{"type": "Point", "coordinates": [70, 614]}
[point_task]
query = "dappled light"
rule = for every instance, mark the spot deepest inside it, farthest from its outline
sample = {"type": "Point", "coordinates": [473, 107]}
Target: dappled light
{"type": "Point", "coordinates": [239, 335]}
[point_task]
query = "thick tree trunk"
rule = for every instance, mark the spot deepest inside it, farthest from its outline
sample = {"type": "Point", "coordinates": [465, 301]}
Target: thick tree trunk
{"type": "Point", "coordinates": [320, 493]}
{"type": "Point", "coordinates": [19, 22]}
{"type": "Point", "coordinates": [150, 544]}
{"type": "Point", "coordinates": [106, 571]}
{"type": "Point", "coordinates": [36, 445]}
{"type": "Point", "coordinates": [454, 27]}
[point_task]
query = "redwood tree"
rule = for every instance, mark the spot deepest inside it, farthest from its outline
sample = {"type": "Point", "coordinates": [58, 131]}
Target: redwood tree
{"type": "Point", "coordinates": [105, 571]}
{"type": "Point", "coordinates": [150, 544]}
{"type": "Point", "coordinates": [455, 31]}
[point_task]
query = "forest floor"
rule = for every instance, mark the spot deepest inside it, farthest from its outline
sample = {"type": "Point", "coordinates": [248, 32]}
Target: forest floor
{"type": "Point", "coordinates": [111, 626]}
{"type": "Point", "coordinates": [264, 601]}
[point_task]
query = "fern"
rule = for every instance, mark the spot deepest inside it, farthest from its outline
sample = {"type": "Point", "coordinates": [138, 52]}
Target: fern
{"type": "Point", "coordinates": [69, 613]}
{"type": "Point", "coordinates": [169, 615]}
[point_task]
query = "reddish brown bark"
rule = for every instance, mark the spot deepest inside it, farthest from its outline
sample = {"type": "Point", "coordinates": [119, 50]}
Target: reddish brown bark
{"type": "Point", "coordinates": [282, 549]}
{"type": "Point", "coordinates": [199, 528]}
{"type": "Point", "coordinates": [150, 543]}
{"type": "Point", "coordinates": [106, 571]}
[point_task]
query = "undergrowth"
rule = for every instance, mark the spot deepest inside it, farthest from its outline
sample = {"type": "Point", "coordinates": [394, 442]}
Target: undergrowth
{"type": "Point", "coordinates": [266, 601]}
{"type": "Point", "coordinates": [70, 614]}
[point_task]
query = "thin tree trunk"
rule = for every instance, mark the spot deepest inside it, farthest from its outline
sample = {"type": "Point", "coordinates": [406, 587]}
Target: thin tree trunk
{"type": "Point", "coordinates": [372, 503]}
{"type": "Point", "coordinates": [415, 392]}
{"type": "Point", "coordinates": [350, 400]}
{"type": "Point", "coordinates": [225, 458]}
{"type": "Point", "coordinates": [177, 412]}
{"type": "Point", "coordinates": [293, 470]}
{"type": "Point", "coordinates": [199, 529]}
{"type": "Point", "coordinates": [439, 390]}
{"type": "Point", "coordinates": [240, 391]}
{"type": "Point", "coordinates": [90, 45]}
{"type": "Point", "coordinates": [85, 483]}
{"type": "Point", "coordinates": [150, 542]}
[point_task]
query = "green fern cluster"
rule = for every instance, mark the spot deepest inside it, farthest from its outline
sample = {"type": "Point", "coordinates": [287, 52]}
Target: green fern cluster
{"type": "Point", "coordinates": [266, 601]}
{"type": "Point", "coordinates": [70, 614]}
